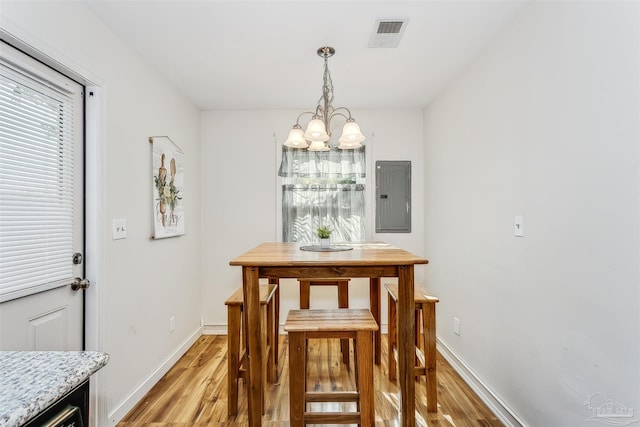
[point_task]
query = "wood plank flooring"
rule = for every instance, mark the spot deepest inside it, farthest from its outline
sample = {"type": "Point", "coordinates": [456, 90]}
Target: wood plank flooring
{"type": "Point", "coordinates": [194, 391]}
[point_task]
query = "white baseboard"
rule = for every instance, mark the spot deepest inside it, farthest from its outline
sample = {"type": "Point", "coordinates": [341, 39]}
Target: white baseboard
{"type": "Point", "coordinates": [214, 330]}
{"type": "Point", "coordinates": [503, 412]}
{"type": "Point", "coordinates": [122, 408]}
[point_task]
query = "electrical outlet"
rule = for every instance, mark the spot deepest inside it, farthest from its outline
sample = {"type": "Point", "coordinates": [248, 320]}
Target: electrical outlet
{"type": "Point", "coordinates": [172, 323]}
{"type": "Point", "coordinates": [456, 326]}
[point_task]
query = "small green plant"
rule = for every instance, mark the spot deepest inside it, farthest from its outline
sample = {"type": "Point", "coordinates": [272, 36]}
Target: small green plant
{"type": "Point", "coordinates": [324, 232]}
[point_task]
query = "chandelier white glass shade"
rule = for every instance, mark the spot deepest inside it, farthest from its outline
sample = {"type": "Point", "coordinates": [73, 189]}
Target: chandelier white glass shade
{"type": "Point", "coordinates": [316, 136]}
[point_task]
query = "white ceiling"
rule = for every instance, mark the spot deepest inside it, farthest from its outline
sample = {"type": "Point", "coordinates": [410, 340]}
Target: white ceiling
{"type": "Point", "coordinates": [262, 54]}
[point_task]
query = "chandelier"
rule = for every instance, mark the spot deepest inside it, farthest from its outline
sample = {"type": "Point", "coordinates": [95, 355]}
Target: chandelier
{"type": "Point", "coordinates": [318, 131]}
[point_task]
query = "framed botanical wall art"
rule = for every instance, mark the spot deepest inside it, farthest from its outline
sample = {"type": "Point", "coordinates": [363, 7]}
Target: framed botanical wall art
{"type": "Point", "coordinates": [167, 171]}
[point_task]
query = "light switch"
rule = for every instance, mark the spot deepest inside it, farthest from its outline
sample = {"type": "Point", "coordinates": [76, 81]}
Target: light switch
{"type": "Point", "coordinates": [119, 229]}
{"type": "Point", "coordinates": [518, 226]}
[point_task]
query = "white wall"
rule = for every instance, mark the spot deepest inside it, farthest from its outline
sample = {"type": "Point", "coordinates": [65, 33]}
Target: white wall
{"type": "Point", "coordinates": [544, 124]}
{"type": "Point", "coordinates": [241, 196]}
{"type": "Point", "coordinates": [142, 282]}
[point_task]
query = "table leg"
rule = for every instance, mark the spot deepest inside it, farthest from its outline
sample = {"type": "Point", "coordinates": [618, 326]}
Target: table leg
{"type": "Point", "coordinates": [343, 302]}
{"type": "Point", "coordinates": [277, 320]}
{"type": "Point", "coordinates": [297, 363]}
{"type": "Point", "coordinates": [233, 357]}
{"type": "Point", "coordinates": [406, 351]}
{"type": "Point", "coordinates": [374, 306]}
{"type": "Point", "coordinates": [429, 326]}
{"type": "Point", "coordinates": [251, 292]}
{"type": "Point", "coordinates": [365, 378]}
{"type": "Point", "coordinates": [305, 294]}
{"type": "Point", "coordinates": [392, 339]}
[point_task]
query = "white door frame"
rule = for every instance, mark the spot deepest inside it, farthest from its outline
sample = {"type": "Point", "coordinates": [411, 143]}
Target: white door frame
{"type": "Point", "coordinates": [94, 193]}
{"type": "Point", "coordinates": [94, 248]}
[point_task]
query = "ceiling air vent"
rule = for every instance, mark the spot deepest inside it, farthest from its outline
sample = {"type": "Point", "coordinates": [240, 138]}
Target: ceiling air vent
{"type": "Point", "coordinates": [387, 32]}
{"type": "Point", "coordinates": [389, 27]}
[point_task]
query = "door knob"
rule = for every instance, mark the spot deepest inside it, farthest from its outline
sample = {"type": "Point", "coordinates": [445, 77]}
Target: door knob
{"type": "Point", "coordinates": [79, 283]}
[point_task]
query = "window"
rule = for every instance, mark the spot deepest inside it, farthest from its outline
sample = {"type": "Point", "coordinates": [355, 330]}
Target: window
{"type": "Point", "coordinates": [40, 122]}
{"type": "Point", "coordinates": [323, 188]}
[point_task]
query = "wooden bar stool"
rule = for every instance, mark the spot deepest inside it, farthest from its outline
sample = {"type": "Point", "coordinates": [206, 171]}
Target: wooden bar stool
{"type": "Point", "coordinates": [356, 324]}
{"type": "Point", "coordinates": [425, 356]}
{"type": "Point", "coordinates": [343, 301]}
{"type": "Point", "coordinates": [237, 358]}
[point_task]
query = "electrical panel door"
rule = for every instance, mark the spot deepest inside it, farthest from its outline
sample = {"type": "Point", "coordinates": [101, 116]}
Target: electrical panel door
{"type": "Point", "coordinates": [393, 196]}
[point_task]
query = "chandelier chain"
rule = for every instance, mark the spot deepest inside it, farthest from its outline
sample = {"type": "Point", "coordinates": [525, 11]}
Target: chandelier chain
{"type": "Point", "coordinates": [325, 103]}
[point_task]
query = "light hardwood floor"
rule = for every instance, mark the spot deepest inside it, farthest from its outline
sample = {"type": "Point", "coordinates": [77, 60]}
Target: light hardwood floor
{"type": "Point", "coordinates": [194, 391]}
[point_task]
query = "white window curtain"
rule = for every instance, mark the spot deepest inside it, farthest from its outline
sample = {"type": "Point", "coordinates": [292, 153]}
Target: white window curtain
{"type": "Point", "coordinates": [323, 188]}
{"type": "Point", "coordinates": [36, 183]}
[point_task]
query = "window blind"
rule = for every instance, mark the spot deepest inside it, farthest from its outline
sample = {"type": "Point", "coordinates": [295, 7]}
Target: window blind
{"type": "Point", "coordinates": [323, 188]}
{"type": "Point", "coordinates": [36, 183]}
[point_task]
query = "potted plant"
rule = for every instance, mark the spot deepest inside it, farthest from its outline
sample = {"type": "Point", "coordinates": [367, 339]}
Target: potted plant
{"type": "Point", "coordinates": [324, 233]}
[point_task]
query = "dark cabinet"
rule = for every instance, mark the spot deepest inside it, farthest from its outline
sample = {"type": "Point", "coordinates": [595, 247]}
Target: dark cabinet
{"type": "Point", "coordinates": [72, 410]}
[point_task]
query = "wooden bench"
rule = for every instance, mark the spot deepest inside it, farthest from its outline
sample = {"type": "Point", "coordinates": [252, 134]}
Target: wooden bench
{"type": "Point", "coordinates": [237, 358]}
{"type": "Point", "coordinates": [356, 324]}
{"type": "Point", "coordinates": [425, 356]}
{"type": "Point", "coordinates": [343, 301]}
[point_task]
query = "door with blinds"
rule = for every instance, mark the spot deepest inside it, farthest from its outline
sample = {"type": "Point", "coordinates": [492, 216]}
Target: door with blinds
{"type": "Point", "coordinates": [41, 206]}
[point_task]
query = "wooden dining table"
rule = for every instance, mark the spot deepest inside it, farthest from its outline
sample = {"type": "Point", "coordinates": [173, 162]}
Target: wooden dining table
{"type": "Point", "coordinates": [276, 261]}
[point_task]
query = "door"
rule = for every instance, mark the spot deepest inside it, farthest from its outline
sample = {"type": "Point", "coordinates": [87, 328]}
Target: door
{"type": "Point", "coordinates": [41, 206]}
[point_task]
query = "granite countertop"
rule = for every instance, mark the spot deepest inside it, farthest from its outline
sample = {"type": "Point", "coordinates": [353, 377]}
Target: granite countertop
{"type": "Point", "coordinates": [31, 381]}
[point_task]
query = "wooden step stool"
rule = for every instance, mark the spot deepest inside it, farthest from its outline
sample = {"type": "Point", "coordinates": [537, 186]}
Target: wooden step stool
{"type": "Point", "coordinates": [237, 358]}
{"type": "Point", "coordinates": [425, 357]}
{"type": "Point", "coordinates": [356, 324]}
{"type": "Point", "coordinates": [343, 301]}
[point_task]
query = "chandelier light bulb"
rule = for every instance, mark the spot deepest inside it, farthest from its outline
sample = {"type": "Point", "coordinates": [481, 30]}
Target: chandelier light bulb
{"type": "Point", "coordinates": [351, 135]}
{"type": "Point", "coordinates": [316, 131]}
{"type": "Point", "coordinates": [318, 146]}
{"type": "Point", "coordinates": [296, 138]}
